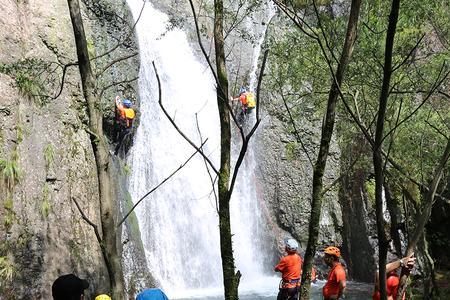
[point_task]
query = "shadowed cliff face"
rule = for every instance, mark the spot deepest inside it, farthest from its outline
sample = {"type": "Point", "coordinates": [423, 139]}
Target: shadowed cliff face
{"type": "Point", "coordinates": [46, 149]}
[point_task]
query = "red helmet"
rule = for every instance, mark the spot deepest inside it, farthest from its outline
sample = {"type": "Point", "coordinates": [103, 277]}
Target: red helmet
{"type": "Point", "coordinates": [333, 251]}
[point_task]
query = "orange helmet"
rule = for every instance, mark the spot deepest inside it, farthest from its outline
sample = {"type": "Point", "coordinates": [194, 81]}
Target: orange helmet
{"type": "Point", "coordinates": [333, 251]}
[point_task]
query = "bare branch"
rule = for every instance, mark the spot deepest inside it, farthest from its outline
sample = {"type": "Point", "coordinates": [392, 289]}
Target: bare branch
{"type": "Point", "coordinates": [258, 86]}
{"type": "Point", "coordinates": [319, 23]}
{"type": "Point", "coordinates": [126, 37]}
{"type": "Point", "coordinates": [430, 93]}
{"type": "Point", "coordinates": [94, 226]}
{"type": "Point", "coordinates": [197, 30]}
{"type": "Point", "coordinates": [213, 180]}
{"type": "Point", "coordinates": [297, 134]}
{"type": "Point", "coordinates": [155, 188]}
{"type": "Point", "coordinates": [409, 54]}
{"type": "Point", "coordinates": [326, 190]}
{"type": "Point", "coordinates": [437, 129]}
{"type": "Point", "coordinates": [246, 140]}
{"type": "Point", "coordinates": [299, 22]}
{"type": "Point", "coordinates": [199, 150]}
{"type": "Point", "coordinates": [236, 21]}
{"type": "Point", "coordinates": [114, 62]}
{"type": "Point", "coordinates": [63, 78]}
{"type": "Point", "coordinates": [392, 135]}
{"type": "Point", "coordinates": [425, 212]}
{"type": "Point", "coordinates": [116, 83]}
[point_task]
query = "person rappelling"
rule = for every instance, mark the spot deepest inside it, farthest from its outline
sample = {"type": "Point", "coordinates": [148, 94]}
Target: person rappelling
{"type": "Point", "coordinates": [124, 115]}
{"type": "Point", "coordinates": [247, 99]}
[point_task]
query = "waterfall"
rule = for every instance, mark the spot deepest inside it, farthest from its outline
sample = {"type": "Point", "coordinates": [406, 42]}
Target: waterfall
{"type": "Point", "coordinates": [179, 222]}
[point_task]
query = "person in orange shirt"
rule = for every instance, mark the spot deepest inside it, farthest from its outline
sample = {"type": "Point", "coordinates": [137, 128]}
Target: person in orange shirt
{"type": "Point", "coordinates": [290, 267]}
{"type": "Point", "coordinates": [334, 288]}
{"type": "Point", "coordinates": [392, 278]}
{"type": "Point", "coordinates": [242, 98]}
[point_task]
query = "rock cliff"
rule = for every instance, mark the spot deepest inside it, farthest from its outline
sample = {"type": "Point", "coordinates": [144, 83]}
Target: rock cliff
{"type": "Point", "coordinates": [46, 158]}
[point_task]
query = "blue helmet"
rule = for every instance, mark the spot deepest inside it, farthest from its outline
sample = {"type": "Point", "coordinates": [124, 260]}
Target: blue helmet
{"type": "Point", "coordinates": [242, 90]}
{"type": "Point", "coordinates": [127, 103]}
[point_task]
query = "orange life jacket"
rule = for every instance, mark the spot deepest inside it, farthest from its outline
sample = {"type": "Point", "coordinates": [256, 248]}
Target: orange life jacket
{"type": "Point", "coordinates": [243, 98]}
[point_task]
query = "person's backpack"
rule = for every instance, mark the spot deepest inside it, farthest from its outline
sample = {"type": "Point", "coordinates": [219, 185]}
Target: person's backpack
{"type": "Point", "coordinates": [251, 101]}
{"type": "Point", "coordinates": [129, 115]}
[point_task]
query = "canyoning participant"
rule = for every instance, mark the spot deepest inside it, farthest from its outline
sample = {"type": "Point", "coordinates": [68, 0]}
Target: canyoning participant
{"type": "Point", "coordinates": [405, 266]}
{"type": "Point", "coordinates": [334, 288]}
{"type": "Point", "coordinates": [251, 101]}
{"type": "Point", "coordinates": [103, 297]}
{"type": "Point", "coordinates": [124, 119]}
{"type": "Point", "coordinates": [247, 100]}
{"type": "Point", "coordinates": [69, 287]}
{"type": "Point", "coordinates": [290, 267]}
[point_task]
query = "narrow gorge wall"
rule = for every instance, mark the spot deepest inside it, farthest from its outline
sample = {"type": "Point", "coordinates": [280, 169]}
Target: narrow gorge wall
{"type": "Point", "coordinates": [46, 157]}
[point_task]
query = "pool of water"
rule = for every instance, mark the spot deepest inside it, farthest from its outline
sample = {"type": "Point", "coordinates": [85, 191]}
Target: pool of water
{"type": "Point", "coordinates": [268, 290]}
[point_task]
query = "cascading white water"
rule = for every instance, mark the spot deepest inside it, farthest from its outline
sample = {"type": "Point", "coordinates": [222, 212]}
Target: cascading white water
{"type": "Point", "coordinates": [179, 222]}
{"type": "Point", "coordinates": [245, 200]}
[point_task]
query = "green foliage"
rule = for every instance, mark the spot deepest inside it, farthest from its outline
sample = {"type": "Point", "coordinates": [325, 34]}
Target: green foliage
{"type": "Point", "coordinates": [28, 76]}
{"type": "Point", "coordinates": [10, 172]}
{"type": "Point", "coordinates": [7, 269]}
{"type": "Point", "coordinates": [127, 169]}
{"type": "Point", "coordinates": [9, 217]}
{"type": "Point", "coordinates": [46, 206]}
{"type": "Point", "coordinates": [308, 3]}
{"type": "Point", "coordinates": [19, 133]}
{"type": "Point", "coordinates": [291, 150]}
{"type": "Point", "coordinates": [370, 190]}
{"type": "Point", "coordinates": [8, 204]}
{"type": "Point", "coordinates": [416, 144]}
{"type": "Point", "coordinates": [301, 78]}
{"type": "Point", "coordinates": [49, 156]}
{"type": "Point", "coordinates": [91, 50]}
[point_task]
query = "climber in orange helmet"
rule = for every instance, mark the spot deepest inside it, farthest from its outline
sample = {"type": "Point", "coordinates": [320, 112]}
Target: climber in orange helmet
{"type": "Point", "coordinates": [334, 288]}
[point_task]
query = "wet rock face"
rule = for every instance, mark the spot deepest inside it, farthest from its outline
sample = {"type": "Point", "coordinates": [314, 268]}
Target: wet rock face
{"type": "Point", "coordinates": [285, 177]}
{"type": "Point", "coordinates": [46, 151]}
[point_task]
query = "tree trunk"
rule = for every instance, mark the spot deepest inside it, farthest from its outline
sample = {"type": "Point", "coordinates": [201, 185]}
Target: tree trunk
{"type": "Point", "coordinates": [422, 219]}
{"type": "Point", "coordinates": [107, 213]}
{"type": "Point", "coordinates": [394, 213]}
{"type": "Point", "coordinates": [428, 268]}
{"type": "Point", "coordinates": [377, 149]}
{"type": "Point", "coordinates": [230, 278]}
{"type": "Point", "coordinates": [327, 132]}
